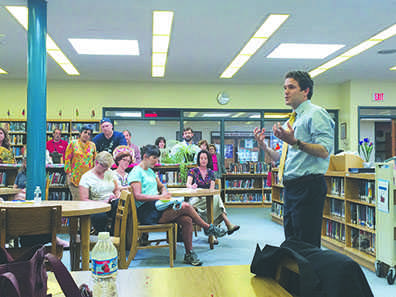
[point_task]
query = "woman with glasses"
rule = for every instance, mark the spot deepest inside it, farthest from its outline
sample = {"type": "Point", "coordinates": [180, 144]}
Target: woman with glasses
{"type": "Point", "coordinates": [79, 158]}
{"type": "Point", "coordinates": [101, 184]}
{"type": "Point", "coordinates": [123, 157]}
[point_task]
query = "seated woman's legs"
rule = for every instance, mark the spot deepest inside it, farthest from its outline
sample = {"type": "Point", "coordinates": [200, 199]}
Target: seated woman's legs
{"type": "Point", "coordinates": [99, 222]}
{"type": "Point", "coordinates": [170, 215]}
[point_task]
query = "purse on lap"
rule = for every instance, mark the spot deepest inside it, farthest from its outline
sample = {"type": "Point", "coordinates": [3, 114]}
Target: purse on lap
{"type": "Point", "coordinates": [27, 275]}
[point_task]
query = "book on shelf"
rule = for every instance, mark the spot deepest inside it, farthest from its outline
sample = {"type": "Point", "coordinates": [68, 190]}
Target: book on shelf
{"type": "Point", "coordinates": [243, 197]}
{"type": "Point", "coordinates": [277, 209]}
{"type": "Point", "coordinates": [367, 191]}
{"type": "Point", "coordinates": [249, 167]}
{"type": "Point", "coordinates": [335, 230]}
{"type": "Point", "coordinates": [362, 170]}
{"type": "Point", "coordinates": [337, 208]}
{"type": "Point", "coordinates": [363, 215]}
{"type": "Point", "coordinates": [363, 241]}
{"type": "Point", "coordinates": [3, 179]}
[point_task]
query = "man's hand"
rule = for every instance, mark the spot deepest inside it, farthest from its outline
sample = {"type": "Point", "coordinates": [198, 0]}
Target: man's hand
{"type": "Point", "coordinates": [165, 196]}
{"type": "Point", "coordinates": [286, 135]}
{"type": "Point", "coordinates": [260, 137]}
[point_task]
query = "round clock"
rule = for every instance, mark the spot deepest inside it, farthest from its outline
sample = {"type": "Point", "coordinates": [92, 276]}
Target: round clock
{"type": "Point", "coordinates": [223, 98]}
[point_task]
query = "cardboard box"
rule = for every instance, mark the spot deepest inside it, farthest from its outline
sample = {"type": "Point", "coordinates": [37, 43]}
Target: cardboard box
{"type": "Point", "coordinates": [344, 162]}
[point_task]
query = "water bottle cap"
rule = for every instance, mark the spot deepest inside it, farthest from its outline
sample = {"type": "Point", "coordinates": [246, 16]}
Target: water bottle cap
{"type": "Point", "coordinates": [103, 235]}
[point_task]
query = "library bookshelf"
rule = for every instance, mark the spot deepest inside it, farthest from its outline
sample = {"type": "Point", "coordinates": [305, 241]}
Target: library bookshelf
{"type": "Point", "coordinates": [70, 130]}
{"type": "Point", "coordinates": [348, 224]}
{"type": "Point", "coordinates": [246, 190]}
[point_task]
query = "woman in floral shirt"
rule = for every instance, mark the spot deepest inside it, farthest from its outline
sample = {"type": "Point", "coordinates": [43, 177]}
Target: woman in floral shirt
{"type": "Point", "coordinates": [6, 155]}
{"type": "Point", "coordinates": [204, 177]}
{"type": "Point", "coordinates": [80, 157]}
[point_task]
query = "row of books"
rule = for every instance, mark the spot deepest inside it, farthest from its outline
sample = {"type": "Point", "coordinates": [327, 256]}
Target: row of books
{"type": "Point", "coordinates": [277, 209]}
{"type": "Point", "coordinates": [59, 195]}
{"type": "Point", "coordinates": [64, 127]}
{"type": "Point", "coordinates": [169, 178]}
{"type": "Point", "coordinates": [248, 183]}
{"type": "Point", "coordinates": [363, 241]}
{"type": "Point", "coordinates": [249, 167]}
{"type": "Point", "coordinates": [367, 191]}
{"type": "Point", "coordinates": [337, 208]}
{"type": "Point", "coordinates": [337, 186]}
{"type": "Point", "coordinates": [14, 126]}
{"type": "Point", "coordinates": [18, 150]}
{"type": "Point", "coordinates": [63, 137]}
{"type": "Point", "coordinates": [3, 179]}
{"type": "Point", "coordinates": [246, 197]}
{"type": "Point", "coordinates": [17, 139]}
{"type": "Point", "coordinates": [335, 230]}
{"type": "Point", "coordinates": [57, 178]}
{"type": "Point", "coordinates": [363, 215]}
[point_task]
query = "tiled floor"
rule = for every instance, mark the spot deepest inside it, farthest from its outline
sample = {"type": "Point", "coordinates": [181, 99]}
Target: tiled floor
{"type": "Point", "coordinates": [238, 249]}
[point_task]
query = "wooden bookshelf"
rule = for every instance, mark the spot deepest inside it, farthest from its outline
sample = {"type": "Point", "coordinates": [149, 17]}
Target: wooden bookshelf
{"type": "Point", "coordinates": [246, 190]}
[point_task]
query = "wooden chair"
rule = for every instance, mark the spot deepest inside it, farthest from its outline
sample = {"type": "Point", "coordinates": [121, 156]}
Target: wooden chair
{"type": "Point", "coordinates": [137, 229]}
{"type": "Point", "coordinates": [30, 220]}
{"type": "Point", "coordinates": [119, 238]}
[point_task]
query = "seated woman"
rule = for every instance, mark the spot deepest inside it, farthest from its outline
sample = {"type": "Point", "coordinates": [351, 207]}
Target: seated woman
{"type": "Point", "coordinates": [123, 157]}
{"type": "Point", "coordinates": [147, 189]}
{"type": "Point", "coordinates": [203, 177]}
{"type": "Point", "coordinates": [6, 155]}
{"type": "Point", "coordinates": [20, 182]}
{"type": "Point", "coordinates": [100, 184]}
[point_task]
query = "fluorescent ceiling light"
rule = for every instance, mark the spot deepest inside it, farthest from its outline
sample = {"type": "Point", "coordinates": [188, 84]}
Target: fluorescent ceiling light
{"type": "Point", "coordinates": [393, 68]}
{"type": "Point", "coordinates": [216, 115]}
{"type": "Point", "coordinates": [254, 116]}
{"type": "Point", "coordinates": [361, 47]}
{"type": "Point", "coordinates": [304, 51]}
{"type": "Point", "coordinates": [20, 13]}
{"type": "Point", "coordinates": [2, 71]}
{"type": "Point", "coordinates": [136, 114]}
{"type": "Point", "coordinates": [191, 114]}
{"type": "Point", "coordinates": [275, 116]}
{"type": "Point", "coordinates": [270, 25]}
{"type": "Point", "coordinates": [91, 46]}
{"type": "Point", "coordinates": [237, 115]}
{"type": "Point", "coordinates": [162, 27]}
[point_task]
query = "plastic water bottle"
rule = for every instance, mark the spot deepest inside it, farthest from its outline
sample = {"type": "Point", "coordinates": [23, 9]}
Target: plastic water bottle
{"type": "Point", "coordinates": [104, 267]}
{"type": "Point", "coordinates": [37, 194]}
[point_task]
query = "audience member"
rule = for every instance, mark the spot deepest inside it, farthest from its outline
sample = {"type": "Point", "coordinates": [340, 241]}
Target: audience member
{"type": "Point", "coordinates": [134, 147]}
{"type": "Point", "coordinates": [80, 157]}
{"type": "Point", "coordinates": [20, 181]}
{"type": "Point", "coordinates": [123, 157]}
{"type": "Point", "coordinates": [6, 155]}
{"type": "Point", "coordinates": [160, 142]}
{"type": "Point", "coordinates": [203, 177]}
{"type": "Point", "coordinates": [108, 140]}
{"type": "Point", "coordinates": [147, 189]}
{"type": "Point", "coordinates": [203, 145]}
{"type": "Point", "coordinates": [100, 184]}
{"type": "Point", "coordinates": [192, 149]}
{"type": "Point", "coordinates": [217, 167]}
{"type": "Point", "coordinates": [57, 144]}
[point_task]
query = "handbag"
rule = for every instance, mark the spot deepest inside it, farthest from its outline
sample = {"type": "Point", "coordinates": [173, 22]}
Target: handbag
{"type": "Point", "coordinates": [176, 203]}
{"type": "Point", "coordinates": [26, 276]}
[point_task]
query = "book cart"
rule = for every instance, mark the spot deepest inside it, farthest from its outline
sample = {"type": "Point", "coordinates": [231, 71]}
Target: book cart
{"type": "Point", "coordinates": [277, 198]}
{"type": "Point", "coordinates": [245, 185]}
{"type": "Point", "coordinates": [385, 185]}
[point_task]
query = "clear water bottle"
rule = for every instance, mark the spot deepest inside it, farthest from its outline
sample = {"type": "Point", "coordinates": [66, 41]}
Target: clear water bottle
{"type": "Point", "coordinates": [104, 267]}
{"type": "Point", "coordinates": [37, 195]}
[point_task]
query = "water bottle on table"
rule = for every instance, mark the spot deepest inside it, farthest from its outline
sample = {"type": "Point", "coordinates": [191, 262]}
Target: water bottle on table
{"type": "Point", "coordinates": [37, 195]}
{"type": "Point", "coordinates": [104, 266]}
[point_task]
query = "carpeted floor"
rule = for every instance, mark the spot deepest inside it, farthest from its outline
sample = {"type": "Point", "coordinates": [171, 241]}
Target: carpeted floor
{"type": "Point", "coordinates": [238, 249]}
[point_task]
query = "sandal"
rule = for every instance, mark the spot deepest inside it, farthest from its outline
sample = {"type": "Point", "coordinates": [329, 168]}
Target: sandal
{"type": "Point", "coordinates": [233, 229]}
{"type": "Point", "coordinates": [215, 241]}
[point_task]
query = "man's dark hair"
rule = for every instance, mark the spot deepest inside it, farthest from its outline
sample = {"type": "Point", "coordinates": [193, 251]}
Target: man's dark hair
{"type": "Point", "coordinates": [210, 162]}
{"type": "Point", "coordinates": [150, 150]}
{"type": "Point", "coordinates": [188, 129]}
{"type": "Point", "coordinates": [56, 129]}
{"type": "Point", "coordinates": [304, 81]}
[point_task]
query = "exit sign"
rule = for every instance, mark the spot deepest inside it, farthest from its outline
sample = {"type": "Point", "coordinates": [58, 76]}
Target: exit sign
{"type": "Point", "coordinates": [378, 96]}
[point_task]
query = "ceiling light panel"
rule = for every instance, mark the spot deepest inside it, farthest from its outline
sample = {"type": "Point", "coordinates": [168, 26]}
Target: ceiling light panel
{"type": "Point", "coordinates": [2, 71]}
{"type": "Point", "coordinates": [356, 50]}
{"type": "Point", "coordinates": [162, 28]}
{"type": "Point", "coordinates": [90, 46]}
{"type": "Point", "coordinates": [20, 13]}
{"type": "Point", "coordinates": [304, 51]}
{"type": "Point", "coordinates": [393, 68]}
{"type": "Point", "coordinates": [270, 25]}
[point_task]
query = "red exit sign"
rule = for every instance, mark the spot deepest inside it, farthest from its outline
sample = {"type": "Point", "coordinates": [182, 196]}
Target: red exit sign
{"type": "Point", "coordinates": [378, 96]}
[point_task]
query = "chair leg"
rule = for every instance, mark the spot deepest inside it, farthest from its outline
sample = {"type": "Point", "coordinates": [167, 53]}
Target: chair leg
{"type": "Point", "coordinates": [171, 240]}
{"type": "Point", "coordinates": [174, 240]}
{"type": "Point", "coordinates": [195, 230]}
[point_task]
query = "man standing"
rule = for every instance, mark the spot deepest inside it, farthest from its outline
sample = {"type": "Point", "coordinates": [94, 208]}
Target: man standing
{"type": "Point", "coordinates": [134, 147]}
{"type": "Point", "coordinates": [187, 145]}
{"type": "Point", "coordinates": [108, 140]}
{"type": "Point", "coordinates": [56, 144]}
{"type": "Point", "coordinates": [308, 138]}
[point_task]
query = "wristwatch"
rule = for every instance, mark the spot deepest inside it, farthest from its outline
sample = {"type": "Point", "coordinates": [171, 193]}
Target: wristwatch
{"type": "Point", "coordinates": [298, 145]}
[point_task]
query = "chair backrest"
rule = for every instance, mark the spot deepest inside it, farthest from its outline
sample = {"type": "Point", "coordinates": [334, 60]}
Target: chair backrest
{"type": "Point", "coordinates": [122, 215]}
{"type": "Point", "coordinates": [31, 220]}
{"type": "Point", "coordinates": [218, 184]}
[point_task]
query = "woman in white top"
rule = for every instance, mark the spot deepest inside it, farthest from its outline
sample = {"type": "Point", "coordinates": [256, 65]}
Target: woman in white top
{"type": "Point", "coordinates": [100, 184]}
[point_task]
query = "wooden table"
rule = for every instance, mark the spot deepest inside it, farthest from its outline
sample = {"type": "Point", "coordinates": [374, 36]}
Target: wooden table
{"type": "Point", "coordinates": [9, 191]}
{"type": "Point", "coordinates": [188, 193]}
{"type": "Point", "coordinates": [75, 210]}
{"type": "Point", "coordinates": [206, 281]}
